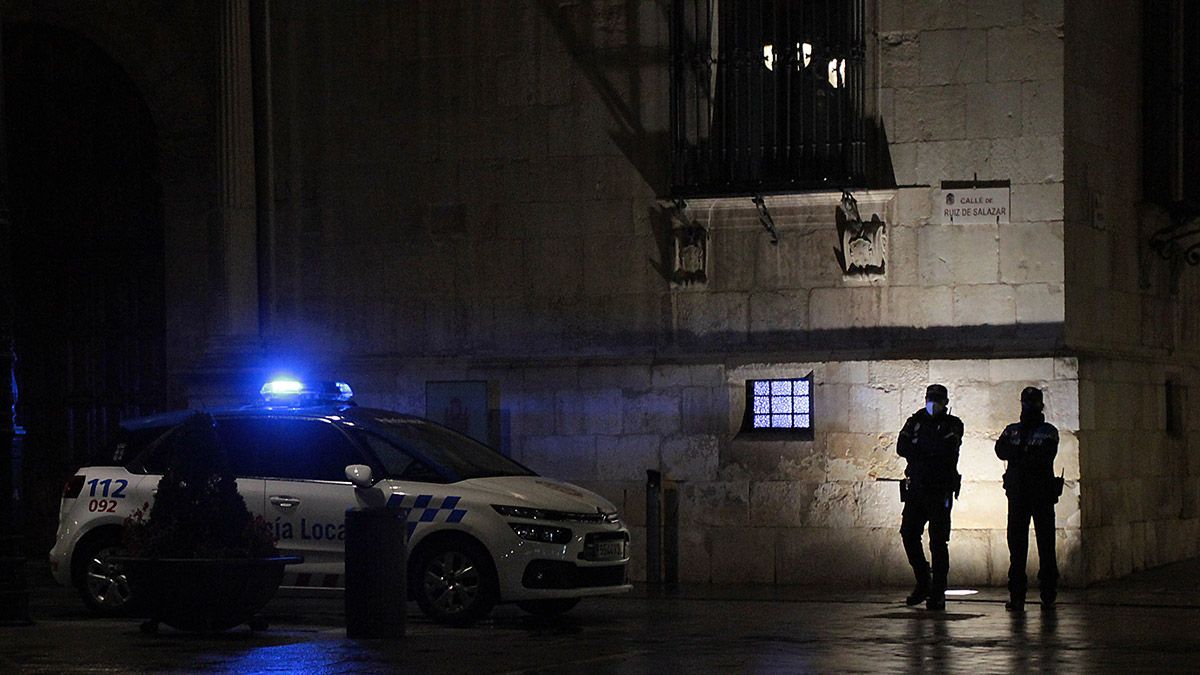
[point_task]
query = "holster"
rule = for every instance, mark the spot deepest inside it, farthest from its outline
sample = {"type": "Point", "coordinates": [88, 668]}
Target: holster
{"type": "Point", "coordinates": [1056, 487]}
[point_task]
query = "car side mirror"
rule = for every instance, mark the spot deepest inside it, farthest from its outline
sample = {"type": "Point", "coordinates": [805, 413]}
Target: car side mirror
{"type": "Point", "coordinates": [360, 476]}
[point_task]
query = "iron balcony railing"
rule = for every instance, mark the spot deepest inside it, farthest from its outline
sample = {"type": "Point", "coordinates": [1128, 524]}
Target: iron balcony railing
{"type": "Point", "coordinates": [767, 95]}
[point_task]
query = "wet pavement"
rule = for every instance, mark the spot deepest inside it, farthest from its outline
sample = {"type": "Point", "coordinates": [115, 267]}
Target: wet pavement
{"type": "Point", "coordinates": [1146, 623]}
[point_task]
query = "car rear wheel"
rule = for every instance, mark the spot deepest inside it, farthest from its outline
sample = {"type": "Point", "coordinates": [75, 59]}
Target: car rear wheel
{"type": "Point", "coordinates": [453, 582]}
{"type": "Point", "coordinates": [548, 607]}
{"type": "Point", "coordinates": [102, 584]}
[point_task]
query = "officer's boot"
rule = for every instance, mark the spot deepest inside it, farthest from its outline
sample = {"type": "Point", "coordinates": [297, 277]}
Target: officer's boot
{"type": "Point", "coordinates": [920, 591]}
{"type": "Point", "coordinates": [937, 597]}
{"type": "Point", "coordinates": [1049, 597]}
{"type": "Point", "coordinates": [1016, 594]}
{"type": "Point", "coordinates": [1048, 586]}
{"type": "Point", "coordinates": [940, 558]}
{"type": "Point", "coordinates": [941, 569]}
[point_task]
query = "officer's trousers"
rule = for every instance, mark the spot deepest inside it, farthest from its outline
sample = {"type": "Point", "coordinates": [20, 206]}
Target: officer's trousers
{"type": "Point", "coordinates": [934, 509]}
{"type": "Point", "coordinates": [1041, 511]}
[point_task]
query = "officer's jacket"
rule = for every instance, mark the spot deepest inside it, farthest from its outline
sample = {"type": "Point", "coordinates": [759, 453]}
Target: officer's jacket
{"type": "Point", "coordinates": [1029, 448]}
{"type": "Point", "coordinates": [930, 444]}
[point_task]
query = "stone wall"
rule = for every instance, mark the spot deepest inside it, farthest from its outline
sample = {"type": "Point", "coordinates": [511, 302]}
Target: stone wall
{"type": "Point", "coordinates": [1132, 329]}
{"type": "Point", "coordinates": [1120, 293]}
{"type": "Point", "coordinates": [793, 293]}
{"type": "Point", "coordinates": [1141, 507]}
{"type": "Point", "coordinates": [773, 511]}
{"type": "Point", "coordinates": [975, 89]}
{"type": "Point", "coordinates": [491, 180]}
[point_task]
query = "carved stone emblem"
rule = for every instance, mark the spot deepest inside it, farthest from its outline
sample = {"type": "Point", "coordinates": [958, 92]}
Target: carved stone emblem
{"type": "Point", "coordinates": [691, 254]}
{"type": "Point", "coordinates": [862, 247]}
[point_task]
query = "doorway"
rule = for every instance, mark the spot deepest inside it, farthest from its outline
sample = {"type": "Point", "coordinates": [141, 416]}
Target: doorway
{"type": "Point", "coordinates": [87, 252]}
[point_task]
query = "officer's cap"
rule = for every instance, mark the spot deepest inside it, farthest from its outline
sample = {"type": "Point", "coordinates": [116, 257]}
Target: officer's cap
{"type": "Point", "coordinates": [938, 393]}
{"type": "Point", "coordinates": [1031, 395]}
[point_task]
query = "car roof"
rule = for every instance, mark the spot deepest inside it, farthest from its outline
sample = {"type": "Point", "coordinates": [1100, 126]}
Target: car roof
{"type": "Point", "coordinates": [353, 412]}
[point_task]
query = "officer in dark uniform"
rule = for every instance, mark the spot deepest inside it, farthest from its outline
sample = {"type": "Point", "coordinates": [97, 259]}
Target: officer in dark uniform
{"type": "Point", "coordinates": [929, 441]}
{"type": "Point", "coordinates": [1029, 447]}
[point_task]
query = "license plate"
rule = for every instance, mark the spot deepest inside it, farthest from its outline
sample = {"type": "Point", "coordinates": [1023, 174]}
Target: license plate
{"type": "Point", "coordinates": [614, 549]}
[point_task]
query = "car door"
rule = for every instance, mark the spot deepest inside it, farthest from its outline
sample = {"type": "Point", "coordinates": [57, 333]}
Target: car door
{"type": "Point", "coordinates": [302, 464]}
{"type": "Point", "coordinates": [411, 483]}
{"type": "Point", "coordinates": [158, 458]}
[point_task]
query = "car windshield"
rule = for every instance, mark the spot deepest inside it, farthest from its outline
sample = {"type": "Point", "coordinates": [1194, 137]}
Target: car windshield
{"type": "Point", "coordinates": [460, 455]}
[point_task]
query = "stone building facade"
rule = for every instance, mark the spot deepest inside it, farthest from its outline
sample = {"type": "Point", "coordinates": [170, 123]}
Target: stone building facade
{"type": "Point", "coordinates": [480, 191]}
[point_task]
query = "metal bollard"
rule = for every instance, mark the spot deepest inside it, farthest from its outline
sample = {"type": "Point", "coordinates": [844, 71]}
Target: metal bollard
{"type": "Point", "coordinates": [376, 572]}
{"type": "Point", "coordinates": [670, 532]}
{"type": "Point", "coordinates": [653, 526]}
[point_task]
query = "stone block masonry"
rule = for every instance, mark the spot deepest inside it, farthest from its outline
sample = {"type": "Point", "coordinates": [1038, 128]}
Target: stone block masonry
{"type": "Point", "coordinates": [805, 510]}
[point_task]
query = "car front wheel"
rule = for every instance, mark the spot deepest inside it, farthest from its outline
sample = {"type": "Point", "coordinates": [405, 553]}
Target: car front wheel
{"type": "Point", "coordinates": [102, 583]}
{"type": "Point", "coordinates": [453, 583]}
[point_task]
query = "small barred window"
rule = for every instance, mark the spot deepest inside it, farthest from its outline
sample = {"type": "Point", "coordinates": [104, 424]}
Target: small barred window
{"type": "Point", "coordinates": [780, 405]}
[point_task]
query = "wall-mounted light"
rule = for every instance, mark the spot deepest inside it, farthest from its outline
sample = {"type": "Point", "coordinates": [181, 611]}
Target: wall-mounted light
{"type": "Point", "coordinates": [803, 58]}
{"type": "Point", "coordinates": [837, 73]}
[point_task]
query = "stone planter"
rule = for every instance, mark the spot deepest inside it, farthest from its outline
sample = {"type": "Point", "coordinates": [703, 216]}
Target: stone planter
{"type": "Point", "coordinates": [204, 594]}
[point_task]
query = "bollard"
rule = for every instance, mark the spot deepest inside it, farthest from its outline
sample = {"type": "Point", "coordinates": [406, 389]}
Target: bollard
{"type": "Point", "coordinates": [376, 572]}
{"type": "Point", "coordinates": [670, 545]}
{"type": "Point", "coordinates": [653, 526]}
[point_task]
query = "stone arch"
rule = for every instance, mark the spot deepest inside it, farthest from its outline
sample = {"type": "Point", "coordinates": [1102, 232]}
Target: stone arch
{"type": "Point", "coordinates": [168, 51]}
{"type": "Point", "coordinates": [84, 171]}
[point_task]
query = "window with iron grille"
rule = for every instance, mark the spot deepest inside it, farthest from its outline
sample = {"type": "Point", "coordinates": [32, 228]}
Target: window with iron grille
{"type": "Point", "coordinates": [780, 405]}
{"type": "Point", "coordinates": [767, 95]}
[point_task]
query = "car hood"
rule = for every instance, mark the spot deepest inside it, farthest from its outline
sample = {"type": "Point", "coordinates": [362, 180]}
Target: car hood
{"type": "Point", "coordinates": [540, 492]}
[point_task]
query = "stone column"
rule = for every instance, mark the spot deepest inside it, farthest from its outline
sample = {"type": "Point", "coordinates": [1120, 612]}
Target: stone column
{"type": "Point", "coordinates": [236, 242]}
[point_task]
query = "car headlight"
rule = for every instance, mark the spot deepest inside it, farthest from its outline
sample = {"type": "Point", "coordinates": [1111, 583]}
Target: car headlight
{"type": "Point", "coordinates": [519, 512]}
{"type": "Point", "coordinates": [529, 513]}
{"type": "Point", "coordinates": [542, 533]}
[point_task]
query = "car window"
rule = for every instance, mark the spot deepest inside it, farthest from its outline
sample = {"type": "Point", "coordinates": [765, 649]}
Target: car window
{"type": "Point", "coordinates": [395, 461]}
{"type": "Point", "coordinates": [289, 448]}
{"type": "Point", "coordinates": [161, 453]}
{"type": "Point", "coordinates": [155, 460]}
{"type": "Point", "coordinates": [459, 456]}
{"type": "Point", "coordinates": [125, 445]}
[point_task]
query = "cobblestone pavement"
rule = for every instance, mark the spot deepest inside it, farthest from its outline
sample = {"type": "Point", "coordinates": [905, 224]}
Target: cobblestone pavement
{"type": "Point", "coordinates": [1147, 623]}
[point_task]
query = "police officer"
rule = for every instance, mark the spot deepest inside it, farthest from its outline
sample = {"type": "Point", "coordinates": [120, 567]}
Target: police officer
{"type": "Point", "coordinates": [1029, 447]}
{"type": "Point", "coordinates": [930, 442]}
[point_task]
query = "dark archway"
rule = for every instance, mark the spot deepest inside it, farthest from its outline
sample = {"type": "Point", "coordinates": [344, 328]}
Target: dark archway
{"type": "Point", "coordinates": [87, 252]}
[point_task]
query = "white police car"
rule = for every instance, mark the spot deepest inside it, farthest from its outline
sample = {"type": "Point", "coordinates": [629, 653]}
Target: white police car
{"type": "Point", "coordinates": [482, 528]}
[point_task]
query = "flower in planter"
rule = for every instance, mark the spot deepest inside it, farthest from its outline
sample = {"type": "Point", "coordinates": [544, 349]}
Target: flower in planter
{"type": "Point", "coordinates": [197, 511]}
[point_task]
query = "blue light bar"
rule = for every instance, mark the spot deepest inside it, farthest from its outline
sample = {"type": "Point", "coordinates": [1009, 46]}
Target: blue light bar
{"type": "Point", "coordinates": [281, 388]}
{"type": "Point", "coordinates": [287, 391]}
{"type": "Point", "coordinates": [344, 392]}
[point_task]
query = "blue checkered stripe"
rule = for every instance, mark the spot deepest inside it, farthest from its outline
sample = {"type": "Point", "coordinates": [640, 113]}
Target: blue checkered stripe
{"type": "Point", "coordinates": [421, 509]}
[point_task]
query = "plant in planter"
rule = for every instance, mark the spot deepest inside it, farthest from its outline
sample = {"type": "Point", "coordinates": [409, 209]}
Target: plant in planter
{"type": "Point", "coordinates": [198, 559]}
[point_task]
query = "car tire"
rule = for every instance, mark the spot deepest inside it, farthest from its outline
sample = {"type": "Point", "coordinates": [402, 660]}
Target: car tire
{"type": "Point", "coordinates": [453, 582]}
{"type": "Point", "coordinates": [101, 583]}
{"type": "Point", "coordinates": [548, 607]}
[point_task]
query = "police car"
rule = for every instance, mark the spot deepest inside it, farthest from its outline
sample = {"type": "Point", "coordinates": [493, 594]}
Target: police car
{"type": "Point", "coordinates": [482, 529]}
